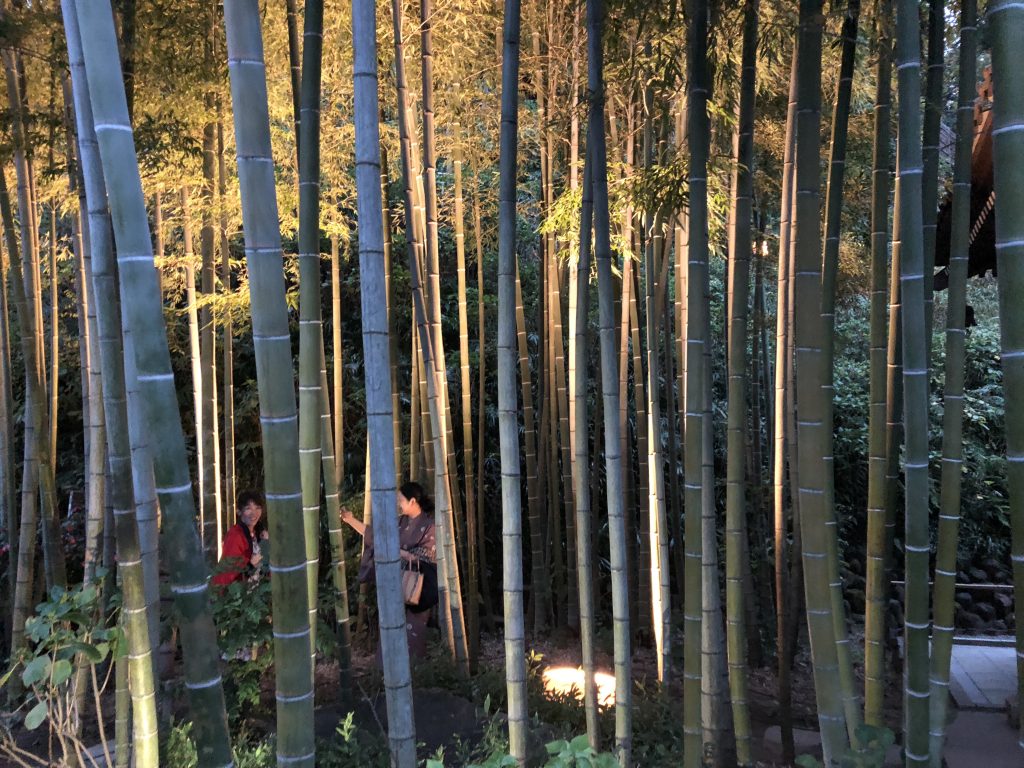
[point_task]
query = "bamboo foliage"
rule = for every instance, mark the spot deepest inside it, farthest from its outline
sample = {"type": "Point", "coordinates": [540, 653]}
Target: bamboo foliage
{"type": "Point", "coordinates": [276, 395]}
{"type": "Point", "coordinates": [140, 305]}
{"type": "Point", "coordinates": [1007, 25]}
{"type": "Point", "coordinates": [953, 401]}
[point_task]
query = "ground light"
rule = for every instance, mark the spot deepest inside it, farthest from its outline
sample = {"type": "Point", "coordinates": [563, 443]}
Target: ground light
{"type": "Point", "coordinates": [569, 680]}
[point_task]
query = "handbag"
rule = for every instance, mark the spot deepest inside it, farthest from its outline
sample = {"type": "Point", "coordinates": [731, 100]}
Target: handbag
{"type": "Point", "coordinates": [412, 583]}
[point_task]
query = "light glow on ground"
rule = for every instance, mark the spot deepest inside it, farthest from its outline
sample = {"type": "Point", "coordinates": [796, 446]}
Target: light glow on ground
{"type": "Point", "coordinates": [564, 681]}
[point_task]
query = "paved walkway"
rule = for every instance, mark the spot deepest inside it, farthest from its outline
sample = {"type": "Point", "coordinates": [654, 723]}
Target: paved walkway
{"type": "Point", "coordinates": [982, 739]}
{"type": "Point", "coordinates": [982, 677]}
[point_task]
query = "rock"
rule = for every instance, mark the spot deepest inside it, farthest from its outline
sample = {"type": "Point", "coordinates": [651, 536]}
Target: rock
{"type": "Point", "coordinates": [964, 599]}
{"type": "Point", "coordinates": [987, 611]}
{"type": "Point", "coordinates": [855, 597]}
{"type": "Point", "coordinates": [992, 567]}
{"type": "Point", "coordinates": [972, 620]}
{"type": "Point", "coordinates": [978, 576]}
{"type": "Point", "coordinates": [962, 577]}
{"type": "Point", "coordinates": [999, 626]}
{"type": "Point", "coordinates": [1003, 577]}
{"type": "Point", "coordinates": [1003, 602]}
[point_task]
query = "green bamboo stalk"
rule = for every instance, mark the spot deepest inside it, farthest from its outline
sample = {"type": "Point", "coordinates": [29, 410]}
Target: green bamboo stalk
{"type": "Point", "coordinates": [310, 319]}
{"type": "Point", "coordinates": [934, 104]}
{"type": "Point", "coordinates": [1007, 28]}
{"type": "Point", "coordinates": [609, 386]}
{"type": "Point", "coordinates": [394, 644]}
{"type": "Point", "coordinates": [141, 309]}
{"type": "Point", "coordinates": [338, 368]}
{"type": "Point", "coordinates": [877, 581]}
{"type": "Point", "coordinates": [740, 244]}
{"type": "Point", "coordinates": [953, 412]}
{"type": "Point", "coordinates": [830, 270]}
{"type": "Point", "coordinates": [808, 344]}
{"type": "Point", "coordinates": [915, 383]}
{"type": "Point", "coordinates": [697, 337]}
{"type": "Point", "coordinates": [508, 405]}
{"type": "Point", "coordinates": [137, 610]}
{"type": "Point", "coordinates": [342, 615]}
{"type": "Point", "coordinates": [581, 458]}
{"type": "Point", "coordinates": [295, 745]}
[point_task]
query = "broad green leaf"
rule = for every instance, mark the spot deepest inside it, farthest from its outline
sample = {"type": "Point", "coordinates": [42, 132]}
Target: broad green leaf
{"type": "Point", "coordinates": [36, 670]}
{"type": "Point", "coordinates": [88, 649]}
{"type": "Point", "coordinates": [580, 743]}
{"type": "Point", "coordinates": [36, 716]}
{"type": "Point", "coordinates": [61, 672]}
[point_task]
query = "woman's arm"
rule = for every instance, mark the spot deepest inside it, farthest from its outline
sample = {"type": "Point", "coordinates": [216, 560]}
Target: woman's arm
{"type": "Point", "coordinates": [358, 525]}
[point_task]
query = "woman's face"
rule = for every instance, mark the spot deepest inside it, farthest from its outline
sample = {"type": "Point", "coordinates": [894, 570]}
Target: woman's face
{"type": "Point", "coordinates": [250, 514]}
{"type": "Point", "coordinates": [407, 506]}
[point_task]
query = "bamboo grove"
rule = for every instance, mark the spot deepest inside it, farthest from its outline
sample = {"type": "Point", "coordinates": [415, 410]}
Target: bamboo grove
{"type": "Point", "coordinates": [671, 243]}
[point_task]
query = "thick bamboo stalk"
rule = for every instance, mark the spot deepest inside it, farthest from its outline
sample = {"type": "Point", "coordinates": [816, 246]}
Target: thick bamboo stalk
{"type": "Point", "coordinates": [581, 458]}
{"type": "Point", "coordinates": [310, 318]}
{"type": "Point", "coordinates": [609, 387]}
{"type": "Point", "coordinates": [1007, 27]}
{"type": "Point", "coordinates": [508, 406]}
{"type": "Point", "coordinates": [697, 337]}
{"type": "Point", "coordinates": [830, 270]}
{"type": "Point", "coordinates": [294, 683]}
{"type": "Point", "coordinates": [953, 411]}
{"type": "Point", "coordinates": [877, 582]}
{"type": "Point", "coordinates": [740, 244]}
{"type": "Point", "coordinates": [141, 310]}
{"type": "Point", "coordinates": [394, 644]}
{"type": "Point", "coordinates": [808, 344]}
{"type": "Point", "coordinates": [910, 244]}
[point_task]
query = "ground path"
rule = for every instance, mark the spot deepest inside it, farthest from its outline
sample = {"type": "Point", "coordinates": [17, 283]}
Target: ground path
{"type": "Point", "coordinates": [982, 678]}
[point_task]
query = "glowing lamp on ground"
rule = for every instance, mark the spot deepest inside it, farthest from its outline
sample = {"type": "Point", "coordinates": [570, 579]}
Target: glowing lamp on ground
{"type": "Point", "coordinates": [568, 681]}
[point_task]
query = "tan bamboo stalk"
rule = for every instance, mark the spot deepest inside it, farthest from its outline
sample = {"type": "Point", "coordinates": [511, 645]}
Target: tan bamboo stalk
{"type": "Point", "coordinates": [876, 588]}
{"type": "Point", "coordinates": [227, 334]}
{"type": "Point", "coordinates": [472, 591]}
{"type": "Point", "coordinates": [396, 410]}
{"type": "Point", "coordinates": [481, 377]}
{"type": "Point", "coordinates": [338, 367]}
{"type": "Point", "coordinates": [783, 385]}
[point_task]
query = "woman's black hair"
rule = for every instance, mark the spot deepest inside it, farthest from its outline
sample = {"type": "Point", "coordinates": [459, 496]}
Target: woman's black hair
{"type": "Point", "coordinates": [244, 499]}
{"type": "Point", "coordinates": [413, 491]}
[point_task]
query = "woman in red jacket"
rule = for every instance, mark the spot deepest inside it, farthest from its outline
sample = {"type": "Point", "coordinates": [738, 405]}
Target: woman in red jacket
{"type": "Point", "coordinates": [240, 554]}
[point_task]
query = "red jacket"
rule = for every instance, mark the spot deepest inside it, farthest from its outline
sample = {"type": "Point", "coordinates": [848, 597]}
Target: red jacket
{"type": "Point", "coordinates": [235, 556]}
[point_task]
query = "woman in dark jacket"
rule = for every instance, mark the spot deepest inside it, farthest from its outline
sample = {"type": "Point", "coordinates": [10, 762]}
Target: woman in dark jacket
{"type": "Point", "coordinates": [418, 544]}
{"type": "Point", "coordinates": [240, 553]}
